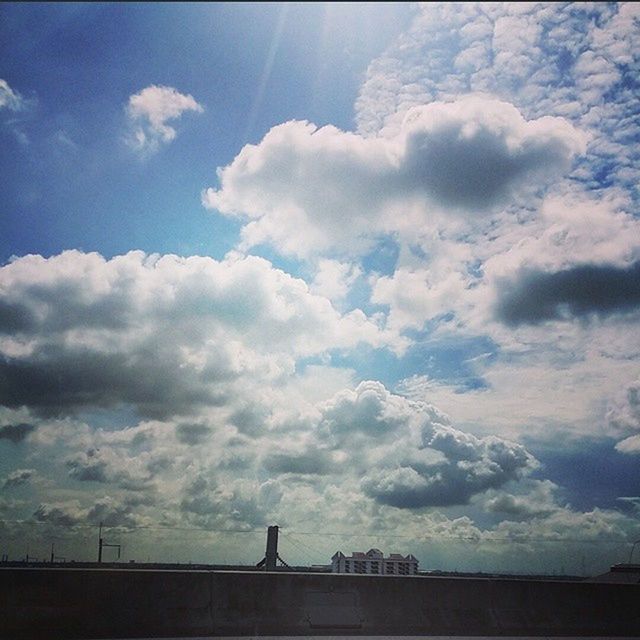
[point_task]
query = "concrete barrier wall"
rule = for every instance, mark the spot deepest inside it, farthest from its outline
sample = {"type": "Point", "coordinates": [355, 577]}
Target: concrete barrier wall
{"type": "Point", "coordinates": [107, 603]}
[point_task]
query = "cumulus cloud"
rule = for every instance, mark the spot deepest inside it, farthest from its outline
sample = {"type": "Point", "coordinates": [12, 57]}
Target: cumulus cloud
{"type": "Point", "coordinates": [538, 501]}
{"type": "Point", "coordinates": [471, 466]}
{"type": "Point", "coordinates": [579, 292]}
{"type": "Point", "coordinates": [409, 454]}
{"type": "Point", "coordinates": [149, 112]}
{"type": "Point", "coordinates": [369, 410]}
{"type": "Point", "coordinates": [307, 189]}
{"type": "Point", "coordinates": [9, 99]}
{"type": "Point", "coordinates": [165, 334]}
{"type": "Point", "coordinates": [576, 256]}
{"type": "Point", "coordinates": [571, 229]}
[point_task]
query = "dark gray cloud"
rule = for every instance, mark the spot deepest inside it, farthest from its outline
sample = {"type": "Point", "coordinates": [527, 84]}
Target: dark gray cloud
{"type": "Point", "coordinates": [192, 434]}
{"type": "Point", "coordinates": [473, 171]}
{"type": "Point", "coordinates": [89, 467]}
{"type": "Point", "coordinates": [579, 292]}
{"type": "Point", "coordinates": [57, 380]}
{"type": "Point", "coordinates": [16, 318]}
{"type": "Point", "coordinates": [438, 485]}
{"type": "Point", "coordinates": [59, 514]}
{"type": "Point", "coordinates": [312, 462]}
{"type": "Point", "coordinates": [15, 432]}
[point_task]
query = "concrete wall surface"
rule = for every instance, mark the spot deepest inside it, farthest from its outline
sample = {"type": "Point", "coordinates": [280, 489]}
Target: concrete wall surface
{"type": "Point", "coordinates": [64, 603]}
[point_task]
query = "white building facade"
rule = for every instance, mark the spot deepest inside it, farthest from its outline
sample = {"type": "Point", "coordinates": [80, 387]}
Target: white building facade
{"type": "Point", "coordinates": [374, 562]}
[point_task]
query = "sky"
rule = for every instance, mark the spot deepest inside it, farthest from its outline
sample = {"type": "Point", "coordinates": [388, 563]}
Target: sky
{"type": "Point", "coordinates": [369, 272]}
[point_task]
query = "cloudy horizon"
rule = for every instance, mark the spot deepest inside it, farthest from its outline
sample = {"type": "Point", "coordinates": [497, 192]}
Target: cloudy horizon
{"type": "Point", "coordinates": [370, 272]}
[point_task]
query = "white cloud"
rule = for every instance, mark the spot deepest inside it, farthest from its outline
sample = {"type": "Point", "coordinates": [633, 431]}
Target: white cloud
{"type": "Point", "coordinates": [164, 334]}
{"type": "Point", "coordinates": [405, 454]}
{"type": "Point", "coordinates": [309, 190]}
{"type": "Point", "coordinates": [629, 445]}
{"type": "Point", "coordinates": [150, 111]}
{"type": "Point", "coordinates": [9, 99]}
{"type": "Point", "coordinates": [416, 295]}
{"type": "Point", "coordinates": [334, 279]}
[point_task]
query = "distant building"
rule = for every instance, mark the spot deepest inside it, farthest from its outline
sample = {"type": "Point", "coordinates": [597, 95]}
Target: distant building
{"type": "Point", "coordinates": [373, 561]}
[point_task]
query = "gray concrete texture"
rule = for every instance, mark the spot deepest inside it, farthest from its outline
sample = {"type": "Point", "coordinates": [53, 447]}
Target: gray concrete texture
{"type": "Point", "coordinates": [107, 603]}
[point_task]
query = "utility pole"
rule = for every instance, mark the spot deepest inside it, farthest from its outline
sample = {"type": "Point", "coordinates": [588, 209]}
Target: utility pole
{"type": "Point", "coordinates": [271, 554]}
{"type": "Point", "coordinates": [633, 546]}
{"type": "Point", "coordinates": [102, 544]}
{"type": "Point", "coordinates": [54, 557]}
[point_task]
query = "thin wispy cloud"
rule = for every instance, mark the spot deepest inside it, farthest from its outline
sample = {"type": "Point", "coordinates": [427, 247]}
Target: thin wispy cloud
{"type": "Point", "coordinates": [9, 99]}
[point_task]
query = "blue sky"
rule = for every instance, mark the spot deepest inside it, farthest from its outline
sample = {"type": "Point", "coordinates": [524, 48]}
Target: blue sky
{"type": "Point", "coordinates": [357, 268]}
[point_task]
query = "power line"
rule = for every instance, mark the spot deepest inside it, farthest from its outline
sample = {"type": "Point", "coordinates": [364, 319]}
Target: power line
{"type": "Point", "coordinates": [305, 549]}
{"type": "Point", "coordinates": [378, 535]}
{"type": "Point", "coordinates": [518, 538]}
{"type": "Point", "coordinates": [80, 525]}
